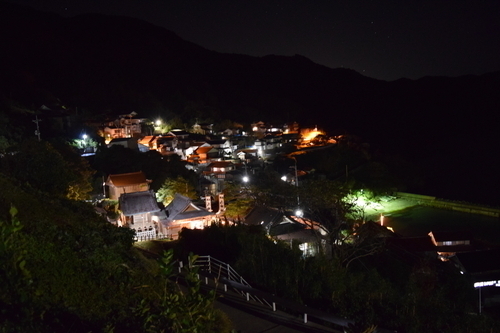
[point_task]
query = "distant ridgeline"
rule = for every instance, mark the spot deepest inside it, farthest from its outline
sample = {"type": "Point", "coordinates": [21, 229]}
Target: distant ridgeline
{"type": "Point", "coordinates": [452, 205]}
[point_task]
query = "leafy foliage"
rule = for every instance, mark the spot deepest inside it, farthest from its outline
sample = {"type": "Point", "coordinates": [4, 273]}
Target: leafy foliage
{"type": "Point", "coordinates": [67, 269]}
{"type": "Point", "coordinates": [172, 186]}
{"type": "Point", "coordinates": [68, 174]}
{"type": "Point", "coordinates": [238, 200]}
{"type": "Point", "coordinates": [181, 309]}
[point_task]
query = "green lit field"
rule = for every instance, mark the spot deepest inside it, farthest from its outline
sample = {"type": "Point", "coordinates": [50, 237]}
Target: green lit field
{"type": "Point", "coordinates": [419, 220]}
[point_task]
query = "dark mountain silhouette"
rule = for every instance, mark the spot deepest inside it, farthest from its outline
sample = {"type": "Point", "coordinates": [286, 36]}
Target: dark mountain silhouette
{"type": "Point", "coordinates": [449, 126]}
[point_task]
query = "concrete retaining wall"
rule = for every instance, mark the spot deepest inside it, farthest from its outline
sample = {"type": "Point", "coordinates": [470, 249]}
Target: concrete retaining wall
{"type": "Point", "coordinates": [452, 205]}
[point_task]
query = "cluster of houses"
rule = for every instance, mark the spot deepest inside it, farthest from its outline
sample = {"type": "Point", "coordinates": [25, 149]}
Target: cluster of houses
{"type": "Point", "coordinates": [228, 156]}
{"type": "Point", "coordinates": [217, 157]}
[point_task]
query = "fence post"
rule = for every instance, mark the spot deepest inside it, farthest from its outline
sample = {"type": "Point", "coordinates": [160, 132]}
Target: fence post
{"type": "Point", "coordinates": [274, 306]}
{"type": "Point", "coordinates": [180, 266]}
{"type": "Point", "coordinates": [225, 287]}
{"type": "Point", "coordinates": [206, 280]}
{"type": "Point", "coordinates": [248, 296]}
{"type": "Point", "coordinates": [209, 265]}
{"type": "Point", "coordinates": [305, 318]}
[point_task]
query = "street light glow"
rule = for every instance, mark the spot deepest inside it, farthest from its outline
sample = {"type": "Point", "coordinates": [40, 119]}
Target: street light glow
{"type": "Point", "coordinates": [245, 179]}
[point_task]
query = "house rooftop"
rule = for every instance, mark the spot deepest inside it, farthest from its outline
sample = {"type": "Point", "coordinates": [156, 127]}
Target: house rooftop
{"type": "Point", "coordinates": [147, 139]}
{"type": "Point", "coordinates": [264, 216]}
{"type": "Point", "coordinates": [138, 203]}
{"type": "Point", "coordinates": [126, 179]}
{"type": "Point", "coordinates": [182, 208]}
{"type": "Point", "coordinates": [203, 149]}
{"type": "Point", "coordinates": [302, 235]}
{"type": "Point", "coordinates": [220, 164]}
{"type": "Point", "coordinates": [441, 236]}
{"type": "Point", "coordinates": [121, 140]}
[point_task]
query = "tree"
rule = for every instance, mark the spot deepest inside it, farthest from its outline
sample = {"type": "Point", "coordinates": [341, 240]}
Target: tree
{"type": "Point", "coordinates": [171, 186]}
{"type": "Point", "coordinates": [80, 187]}
{"type": "Point", "coordinates": [238, 200]}
{"type": "Point", "coordinates": [39, 165]}
{"type": "Point", "coordinates": [4, 144]}
{"type": "Point", "coordinates": [117, 159]}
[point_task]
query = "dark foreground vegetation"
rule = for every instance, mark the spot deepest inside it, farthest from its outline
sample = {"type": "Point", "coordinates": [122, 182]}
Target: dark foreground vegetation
{"type": "Point", "coordinates": [388, 289]}
{"type": "Point", "coordinates": [66, 269]}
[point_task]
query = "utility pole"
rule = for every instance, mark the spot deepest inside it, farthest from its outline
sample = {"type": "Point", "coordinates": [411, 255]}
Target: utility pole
{"type": "Point", "coordinates": [299, 211]}
{"type": "Point", "coordinates": [36, 121]}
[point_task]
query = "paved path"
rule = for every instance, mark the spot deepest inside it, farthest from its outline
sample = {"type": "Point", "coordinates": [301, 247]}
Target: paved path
{"type": "Point", "coordinates": [253, 317]}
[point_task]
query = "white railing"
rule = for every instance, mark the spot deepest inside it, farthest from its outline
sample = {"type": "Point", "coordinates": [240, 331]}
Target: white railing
{"type": "Point", "coordinates": [148, 235]}
{"type": "Point", "coordinates": [223, 271]}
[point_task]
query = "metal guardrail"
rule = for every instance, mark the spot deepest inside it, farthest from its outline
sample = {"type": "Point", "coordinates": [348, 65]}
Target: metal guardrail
{"type": "Point", "coordinates": [225, 273]}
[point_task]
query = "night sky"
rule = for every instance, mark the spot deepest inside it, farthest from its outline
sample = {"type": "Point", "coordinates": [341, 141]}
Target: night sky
{"type": "Point", "coordinates": [380, 39]}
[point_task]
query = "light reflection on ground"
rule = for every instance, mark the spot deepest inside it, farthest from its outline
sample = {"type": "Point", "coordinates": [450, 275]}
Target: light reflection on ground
{"type": "Point", "coordinates": [409, 219]}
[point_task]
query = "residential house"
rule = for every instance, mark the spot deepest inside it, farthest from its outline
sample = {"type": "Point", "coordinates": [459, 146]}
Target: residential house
{"type": "Point", "coordinates": [130, 143]}
{"type": "Point", "coordinates": [203, 128]}
{"type": "Point", "coordinates": [290, 128]}
{"type": "Point", "coordinates": [224, 147]}
{"type": "Point", "coordinates": [149, 142]}
{"type": "Point", "coordinates": [126, 183]}
{"type": "Point", "coordinates": [167, 144]}
{"type": "Point", "coordinates": [203, 154]}
{"type": "Point", "coordinates": [125, 126]}
{"type": "Point", "coordinates": [444, 244]}
{"type": "Point", "coordinates": [448, 243]}
{"type": "Point", "coordinates": [247, 154]}
{"type": "Point", "coordinates": [259, 128]}
{"type": "Point", "coordinates": [218, 169]}
{"type": "Point", "coordinates": [183, 213]}
{"type": "Point", "coordinates": [217, 172]}
{"type": "Point", "coordinates": [281, 225]}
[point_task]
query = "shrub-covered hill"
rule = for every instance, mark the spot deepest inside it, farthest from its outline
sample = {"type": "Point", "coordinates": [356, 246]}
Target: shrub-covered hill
{"type": "Point", "coordinates": [65, 269]}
